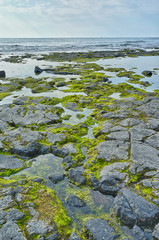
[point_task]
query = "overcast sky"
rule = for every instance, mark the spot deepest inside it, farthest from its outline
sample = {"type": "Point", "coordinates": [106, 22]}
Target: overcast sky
{"type": "Point", "coordinates": [79, 18]}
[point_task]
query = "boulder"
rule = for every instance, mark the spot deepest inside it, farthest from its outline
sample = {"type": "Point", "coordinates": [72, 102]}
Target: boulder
{"type": "Point", "coordinates": [2, 74]}
{"type": "Point", "coordinates": [105, 79]}
{"type": "Point", "coordinates": [61, 84]}
{"type": "Point", "coordinates": [32, 149]}
{"type": "Point", "coordinates": [56, 177]}
{"type": "Point", "coordinates": [38, 70]}
{"type": "Point", "coordinates": [147, 73]}
{"type": "Point", "coordinates": [109, 186]}
{"type": "Point", "coordinates": [133, 209]}
{"type": "Point", "coordinates": [76, 176]}
{"type": "Point", "coordinates": [75, 201]}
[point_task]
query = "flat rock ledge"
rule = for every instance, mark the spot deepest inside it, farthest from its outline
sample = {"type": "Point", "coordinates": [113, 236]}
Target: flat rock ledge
{"type": "Point", "coordinates": [100, 229]}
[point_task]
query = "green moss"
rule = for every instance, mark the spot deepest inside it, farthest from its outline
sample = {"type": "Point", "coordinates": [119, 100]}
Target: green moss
{"type": "Point", "coordinates": [3, 95]}
{"type": "Point", "coordinates": [66, 117]}
{"type": "Point", "coordinates": [80, 116]}
{"type": "Point", "coordinates": [125, 74]}
{"type": "Point", "coordinates": [115, 69]}
{"type": "Point", "coordinates": [49, 207]}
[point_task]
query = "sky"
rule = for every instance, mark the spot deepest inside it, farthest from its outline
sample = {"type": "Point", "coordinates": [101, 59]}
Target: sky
{"type": "Point", "coordinates": [79, 18]}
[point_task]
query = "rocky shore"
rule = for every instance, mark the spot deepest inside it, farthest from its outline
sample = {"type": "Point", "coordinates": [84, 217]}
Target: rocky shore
{"type": "Point", "coordinates": [83, 165]}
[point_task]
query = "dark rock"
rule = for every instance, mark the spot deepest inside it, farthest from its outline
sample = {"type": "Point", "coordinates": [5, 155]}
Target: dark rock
{"type": "Point", "coordinates": [2, 74]}
{"type": "Point", "coordinates": [94, 182]}
{"type": "Point", "coordinates": [155, 233]}
{"type": "Point", "coordinates": [67, 159]}
{"type": "Point", "coordinates": [100, 229]}
{"type": "Point", "coordinates": [105, 79]}
{"type": "Point", "coordinates": [109, 81]}
{"type": "Point", "coordinates": [10, 162]}
{"type": "Point", "coordinates": [147, 73]}
{"type": "Point", "coordinates": [146, 83]}
{"type": "Point", "coordinates": [61, 84]}
{"type": "Point", "coordinates": [56, 177]}
{"type": "Point", "coordinates": [74, 236]}
{"type": "Point", "coordinates": [76, 176]}
{"type": "Point", "coordinates": [61, 152]}
{"type": "Point", "coordinates": [90, 87]}
{"type": "Point", "coordinates": [109, 186]}
{"type": "Point", "coordinates": [133, 209]}
{"type": "Point", "coordinates": [38, 70]}
{"type": "Point", "coordinates": [38, 180]}
{"type": "Point", "coordinates": [20, 101]}
{"type": "Point", "coordinates": [135, 233]}
{"type": "Point", "coordinates": [31, 150]}
{"type": "Point", "coordinates": [75, 201]}
{"type": "Point", "coordinates": [11, 230]}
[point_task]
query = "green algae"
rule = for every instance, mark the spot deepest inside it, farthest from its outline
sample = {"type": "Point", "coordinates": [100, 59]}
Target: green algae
{"type": "Point", "coordinates": [3, 95]}
{"type": "Point", "coordinates": [48, 206]}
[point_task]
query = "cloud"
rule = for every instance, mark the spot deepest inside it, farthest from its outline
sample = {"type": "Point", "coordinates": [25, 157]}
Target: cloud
{"type": "Point", "coordinates": [78, 16]}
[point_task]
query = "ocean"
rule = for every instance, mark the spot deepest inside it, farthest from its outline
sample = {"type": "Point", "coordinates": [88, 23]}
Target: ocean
{"type": "Point", "coordinates": [46, 45]}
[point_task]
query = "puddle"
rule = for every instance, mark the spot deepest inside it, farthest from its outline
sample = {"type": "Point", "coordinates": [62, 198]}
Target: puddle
{"type": "Point", "coordinates": [115, 95]}
{"type": "Point", "coordinates": [27, 92]}
{"type": "Point", "coordinates": [73, 119]}
{"type": "Point", "coordinates": [140, 64]}
{"type": "Point", "coordinates": [26, 68]}
{"type": "Point", "coordinates": [90, 132]}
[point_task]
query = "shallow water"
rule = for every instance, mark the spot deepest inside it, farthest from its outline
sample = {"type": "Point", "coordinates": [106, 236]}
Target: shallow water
{"type": "Point", "coordinates": [73, 119]}
{"type": "Point", "coordinates": [28, 93]}
{"type": "Point", "coordinates": [140, 64]}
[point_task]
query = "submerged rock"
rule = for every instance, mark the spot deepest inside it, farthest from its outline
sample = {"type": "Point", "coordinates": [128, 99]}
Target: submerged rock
{"type": "Point", "coordinates": [2, 74]}
{"type": "Point", "coordinates": [147, 73]}
{"type": "Point", "coordinates": [38, 70]}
